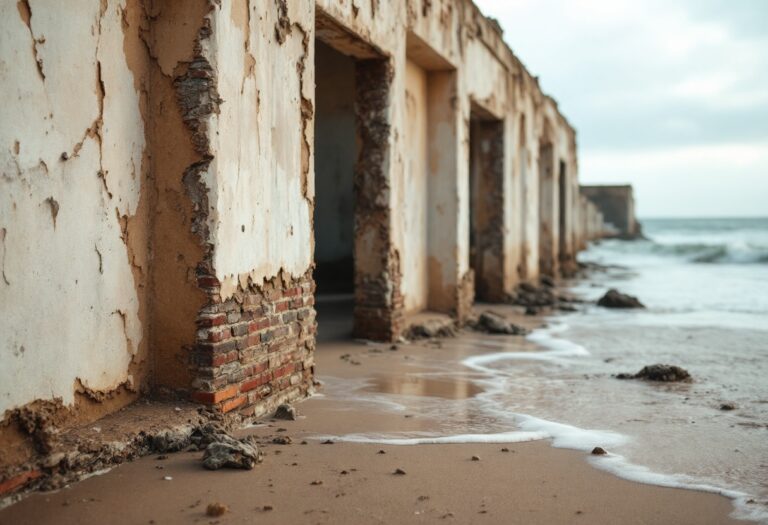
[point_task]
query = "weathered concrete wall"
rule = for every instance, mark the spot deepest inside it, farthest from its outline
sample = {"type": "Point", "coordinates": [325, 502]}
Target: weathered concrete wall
{"type": "Point", "coordinates": [617, 205]}
{"type": "Point", "coordinates": [161, 193]}
{"type": "Point", "coordinates": [73, 216]}
{"type": "Point", "coordinates": [415, 190]}
{"type": "Point", "coordinates": [256, 338]}
{"type": "Point", "coordinates": [261, 191]}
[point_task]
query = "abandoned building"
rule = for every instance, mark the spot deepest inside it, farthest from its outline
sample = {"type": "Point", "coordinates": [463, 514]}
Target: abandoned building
{"type": "Point", "coordinates": [180, 180]}
{"type": "Point", "coordinates": [617, 206]}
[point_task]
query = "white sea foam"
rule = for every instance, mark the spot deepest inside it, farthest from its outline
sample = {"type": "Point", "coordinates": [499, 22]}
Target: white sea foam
{"type": "Point", "coordinates": [620, 467]}
{"type": "Point", "coordinates": [569, 437]}
{"type": "Point", "coordinates": [391, 439]}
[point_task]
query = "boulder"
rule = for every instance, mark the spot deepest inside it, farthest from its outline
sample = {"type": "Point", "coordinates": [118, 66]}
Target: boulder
{"type": "Point", "coordinates": [615, 299]}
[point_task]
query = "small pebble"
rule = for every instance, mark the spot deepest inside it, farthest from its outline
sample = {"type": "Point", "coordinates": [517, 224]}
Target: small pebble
{"type": "Point", "coordinates": [317, 482]}
{"type": "Point", "coordinates": [381, 452]}
{"type": "Point", "coordinates": [400, 472]}
{"type": "Point", "coordinates": [599, 451]}
{"type": "Point", "coordinates": [216, 509]}
{"type": "Point", "coordinates": [475, 458]}
{"type": "Point", "coordinates": [505, 449]}
{"type": "Point", "coordinates": [168, 478]}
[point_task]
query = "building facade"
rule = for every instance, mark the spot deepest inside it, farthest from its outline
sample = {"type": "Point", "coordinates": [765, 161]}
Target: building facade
{"type": "Point", "coordinates": [174, 173]}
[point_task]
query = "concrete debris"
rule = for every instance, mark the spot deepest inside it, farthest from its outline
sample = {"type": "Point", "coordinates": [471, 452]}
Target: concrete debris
{"type": "Point", "coordinates": [535, 297]}
{"type": "Point", "coordinates": [528, 294]}
{"type": "Point", "coordinates": [431, 328]}
{"type": "Point", "coordinates": [615, 299]}
{"type": "Point", "coordinates": [170, 441]}
{"type": "Point", "coordinates": [232, 453]}
{"type": "Point", "coordinates": [660, 373]}
{"type": "Point", "coordinates": [287, 412]}
{"type": "Point", "coordinates": [493, 323]}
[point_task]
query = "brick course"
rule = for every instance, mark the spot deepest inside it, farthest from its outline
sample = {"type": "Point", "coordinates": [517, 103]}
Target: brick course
{"type": "Point", "coordinates": [255, 350]}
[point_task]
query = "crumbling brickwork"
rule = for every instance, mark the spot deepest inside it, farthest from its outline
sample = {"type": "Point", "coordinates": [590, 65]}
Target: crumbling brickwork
{"type": "Point", "coordinates": [167, 212]}
{"type": "Point", "coordinates": [255, 350]}
{"type": "Point", "coordinates": [379, 301]}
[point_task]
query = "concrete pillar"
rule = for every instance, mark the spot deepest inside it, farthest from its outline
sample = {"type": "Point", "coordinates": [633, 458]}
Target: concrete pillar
{"type": "Point", "coordinates": [451, 285]}
{"type": "Point", "coordinates": [549, 212]}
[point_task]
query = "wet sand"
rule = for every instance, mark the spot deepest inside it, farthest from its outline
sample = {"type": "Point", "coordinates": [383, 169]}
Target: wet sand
{"type": "Point", "coordinates": [354, 483]}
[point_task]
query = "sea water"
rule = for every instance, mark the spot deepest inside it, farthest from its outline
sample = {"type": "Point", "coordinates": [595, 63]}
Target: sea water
{"type": "Point", "coordinates": [705, 287]}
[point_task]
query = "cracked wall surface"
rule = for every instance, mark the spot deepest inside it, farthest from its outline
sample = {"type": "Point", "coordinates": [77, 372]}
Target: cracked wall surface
{"type": "Point", "coordinates": [261, 192]}
{"type": "Point", "coordinates": [73, 168]}
{"type": "Point", "coordinates": [447, 35]}
{"type": "Point", "coordinates": [159, 198]}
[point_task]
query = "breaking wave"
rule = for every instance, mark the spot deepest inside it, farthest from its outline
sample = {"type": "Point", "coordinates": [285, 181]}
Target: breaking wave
{"type": "Point", "coordinates": [702, 252]}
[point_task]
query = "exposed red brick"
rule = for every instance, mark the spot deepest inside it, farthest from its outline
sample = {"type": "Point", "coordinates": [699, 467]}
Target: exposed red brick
{"type": "Point", "coordinates": [207, 281]}
{"type": "Point", "coordinates": [217, 336]}
{"type": "Point", "coordinates": [256, 326]}
{"type": "Point", "coordinates": [18, 481]}
{"type": "Point", "coordinates": [293, 292]}
{"type": "Point", "coordinates": [272, 320]}
{"type": "Point", "coordinates": [207, 321]}
{"type": "Point", "coordinates": [232, 404]}
{"type": "Point", "coordinates": [212, 398]}
{"type": "Point", "coordinates": [223, 359]}
{"type": "Point", "coordinates": [255, 382]}
{"type": "Point", "coordinates": [282, 306]}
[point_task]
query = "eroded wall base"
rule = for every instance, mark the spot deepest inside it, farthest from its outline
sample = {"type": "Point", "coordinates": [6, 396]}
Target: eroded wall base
{"type": "Point", "coordinates": [255, 350]}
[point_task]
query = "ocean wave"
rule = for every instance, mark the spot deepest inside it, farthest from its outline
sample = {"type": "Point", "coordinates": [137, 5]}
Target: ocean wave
{"type": "Point", "coordinates": [700, 252]}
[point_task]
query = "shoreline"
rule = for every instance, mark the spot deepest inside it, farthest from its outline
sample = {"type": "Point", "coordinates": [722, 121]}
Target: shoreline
{"type": "Point", "coordinates": [533, 483]}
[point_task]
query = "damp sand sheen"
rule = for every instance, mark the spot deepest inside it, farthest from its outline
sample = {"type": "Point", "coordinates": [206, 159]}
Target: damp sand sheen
{"type": "Point", "coordinates": [497, 429]}
{"type": "Point", "coordinates": [462, 462]}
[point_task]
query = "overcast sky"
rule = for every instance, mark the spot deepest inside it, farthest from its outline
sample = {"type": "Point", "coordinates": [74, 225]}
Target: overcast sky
{"type": "Point", "coordinates": [669, 95]}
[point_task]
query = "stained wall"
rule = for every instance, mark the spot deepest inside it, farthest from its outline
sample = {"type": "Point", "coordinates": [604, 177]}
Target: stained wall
{"type": "Point", "coordinates": [73, 202]}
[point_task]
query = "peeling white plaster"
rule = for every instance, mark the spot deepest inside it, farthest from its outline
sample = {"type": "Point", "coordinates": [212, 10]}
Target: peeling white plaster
{"type": "Point", "coordinates": [59, 307]}
{"type": "Point", "coordinates": [255, 179]}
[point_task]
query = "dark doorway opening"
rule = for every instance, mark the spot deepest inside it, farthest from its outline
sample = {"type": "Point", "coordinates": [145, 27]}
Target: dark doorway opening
{"type": "Point", "coordinates": [335, 157]}
{"type": "Point", "coordinates": [486, 205]}
{"type": "Point", "coordinates": [336, 152]}
{"type": "Point", "coordinates": [351, 216]}
{"type": "Point", "coordinates": [563, 205]}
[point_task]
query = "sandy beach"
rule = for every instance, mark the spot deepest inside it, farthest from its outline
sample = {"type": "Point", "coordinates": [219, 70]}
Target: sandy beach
{"type": "Point", "coordinates": [313, 481]}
